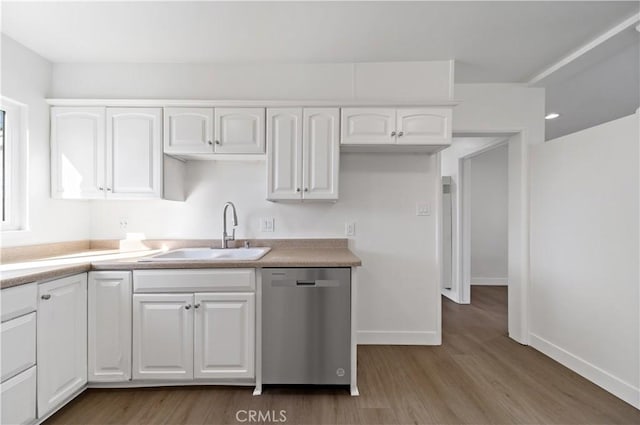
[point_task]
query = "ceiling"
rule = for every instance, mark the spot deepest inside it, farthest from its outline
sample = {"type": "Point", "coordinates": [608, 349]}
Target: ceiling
{"type": "Point", "coordinates": [500, 41]}
{"type": "Point", "coordinates": [490, 41]}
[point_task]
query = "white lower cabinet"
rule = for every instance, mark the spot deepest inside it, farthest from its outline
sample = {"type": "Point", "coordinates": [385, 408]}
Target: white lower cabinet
{"type": "Point", "coordinates": [224, 340]}
{"type": "Point", "coordinates": [109, 324]}
{"type": "Point", "coordinates": [163, 336]}
{"type": "Point", "coordinates": [19, 398]}
{"type": "Point", "coordinates": [61, 341]}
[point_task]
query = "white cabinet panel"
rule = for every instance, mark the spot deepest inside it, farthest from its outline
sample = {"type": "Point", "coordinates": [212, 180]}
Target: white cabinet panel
{"type": "Point", "coordinates": [239, 130]}
{"type": "Point", "coordinates": [163, 336]}
{"type": "Point", "coordinates": [224, 335]}
{"type": "Point", "coordinates": [18, 345]}
{"type": "Point", "coordinates": [188, 130]}
{"type": "Point", "coordinates": [284, 153]}
{"type": "Point", "coordinates": [77, 153]}
{"type": "Point", "coordinates": [18, 399]}
{"type": "Point", "coordinates": [62, 340]}
{"type": "Point", "coordinates": [369, 126]}
{"type": "Point", "coordinates": [321, 148]}
{"type": "Point", "coordinates": [134, 153]}
{"type": "Point", "coordinates": [423, 126]}
{"type": "Point", "coordinates": [109, 326]}
{"type": "Point", "coordinates": [18, 300]}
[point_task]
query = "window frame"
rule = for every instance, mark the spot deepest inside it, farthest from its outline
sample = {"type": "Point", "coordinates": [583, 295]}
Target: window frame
{"type": "Point", "coordinates": [16, 151]}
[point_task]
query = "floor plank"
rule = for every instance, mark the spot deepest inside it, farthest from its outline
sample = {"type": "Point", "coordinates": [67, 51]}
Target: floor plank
{"type": "Point", "coordinates": [478, 376]}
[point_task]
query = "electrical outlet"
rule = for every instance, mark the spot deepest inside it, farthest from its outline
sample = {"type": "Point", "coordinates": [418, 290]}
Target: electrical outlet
{"type": "Point", "coordinates": [350, 228]}
{"type": "Point", "coordinates": [267, 224]}
{"type": "Point", "coordinates": [423, 208]}
{"type": "Point", "coordinates": [123, 223]}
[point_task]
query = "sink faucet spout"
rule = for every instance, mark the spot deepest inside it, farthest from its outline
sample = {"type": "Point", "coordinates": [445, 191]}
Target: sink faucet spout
{"type": "Point", "coordinates": [225, 236]}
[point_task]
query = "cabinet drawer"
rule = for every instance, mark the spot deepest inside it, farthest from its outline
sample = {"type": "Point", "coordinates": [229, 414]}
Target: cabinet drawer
{"type": "Point", "coordinates": [19, 300]}
{"type": "Point", "coordinates": [204, 280]}
{"type": "Point", "coordinates": [19, 398]}
{"type": "Point", "coordinates": [18, 345]}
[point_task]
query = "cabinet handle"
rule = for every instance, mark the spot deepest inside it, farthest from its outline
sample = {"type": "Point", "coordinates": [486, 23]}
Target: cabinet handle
{"type": "Point", "coordinates": [210, 142]}
{"type": "Point", "coordinates": [45, 296]}
{"type": "Point", "coordinates": [197, 305]}
{"type": "Point", "coordinates": [393, 134]}
{"type": "Point", "coordinates": [108, 189]}
{"type": "Point", "coordinates": [100, 188]}
{"type": "Point", "coordinates": [298, 189]}
{"type": "Point", "coordinates": [187, 307]}
{"type": "Point", "coordinates": [401, 134]}
{"type": "Point", "coordinates": [217, 142]}
{"type": "Point", "coordinates": [306, 189]}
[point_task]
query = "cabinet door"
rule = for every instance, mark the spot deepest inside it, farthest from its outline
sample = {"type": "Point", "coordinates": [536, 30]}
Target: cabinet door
{"type": "Point", "coordinates": [224, 335]}
{"type": "Point", "coordinates": [163, 336]}
{"type": "Point", "coordinates": [18, 348]}
{"type": "Point", "coordinates": [321, 148]}
{"type": "Point", "coordinates": [77, 153]}
{"type": "Point", "coordinates": [284, 154]}
{"type": "Point", "coordinates": [239, 130]}
{"type": "Point", "coordinates": [134, 153]}
{"type": "Point", "coordinates": [188, 130]}
{"type": "Point", "coordinates": [61, 340]}
{"type": "Point", "coordinates": [19, 399]}
{"type": "Point", "coordinates": [424, 126]}
{"type": "Point", "coordinates": [368, 126]}
{"type": "Point", "coordinates": [109, 326]}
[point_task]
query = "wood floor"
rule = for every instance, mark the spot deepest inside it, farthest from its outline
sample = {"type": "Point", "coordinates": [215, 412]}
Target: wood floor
{"type": "Point", "coordinates": [478, 376]}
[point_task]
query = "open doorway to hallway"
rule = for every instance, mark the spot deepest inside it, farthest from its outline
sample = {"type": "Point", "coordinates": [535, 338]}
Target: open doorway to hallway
{"type": "Point", "coordinates": [475, 216]}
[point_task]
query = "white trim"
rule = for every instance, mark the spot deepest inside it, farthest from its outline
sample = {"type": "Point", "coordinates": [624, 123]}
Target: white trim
{"type": "Point", "coordinates": [354, 329]}
{"type": "Point", "coordinates": [616, 386]}
{"type": "Point", "coordinates": [16, 152]}
{"type": "Point", "coordinates": [630, 21]}
{"type": "Point", "coordinates": [490, 281]}
{"type": "Point", "coordinates": [438, 246]}
{"type": "Point", "coordinates": [398, 338]}
{"type": "Point", "coordinates": [247, 103]}
{"type": "Point", "coordinates": [464, 230]}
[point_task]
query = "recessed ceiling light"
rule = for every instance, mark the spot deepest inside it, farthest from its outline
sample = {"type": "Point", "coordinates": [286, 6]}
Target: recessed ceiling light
{"type": "Point", "coordinates": [552, 116]}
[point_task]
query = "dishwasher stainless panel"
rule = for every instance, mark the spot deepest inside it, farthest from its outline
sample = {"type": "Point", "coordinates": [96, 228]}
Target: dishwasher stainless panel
{"type": "Point", "coordinates": [306, 326]}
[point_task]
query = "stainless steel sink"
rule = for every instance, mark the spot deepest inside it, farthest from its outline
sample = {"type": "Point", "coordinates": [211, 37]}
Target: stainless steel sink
{"type": "Point", "coordinates": [210, 254]}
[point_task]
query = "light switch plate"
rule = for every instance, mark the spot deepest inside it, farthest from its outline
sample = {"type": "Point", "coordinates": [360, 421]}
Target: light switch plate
{"type": "Point", "coordinates": [350, 228]}
{"type": "Point", "coordinates": [423, 209]}
{"type": "Point", "coordinates": [267, 224]}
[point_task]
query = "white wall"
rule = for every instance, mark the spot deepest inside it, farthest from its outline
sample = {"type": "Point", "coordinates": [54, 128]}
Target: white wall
{"type": "Point", "coordinates": [489, 216]}
{"type": "Point", "coordinates": [585, 309]}
{"type": "Point", "coordinates": [399, 295]}
{"type": "Point", "coordinates": [26, 78]}
{"type": "Point", "coordinates": [490, 109]}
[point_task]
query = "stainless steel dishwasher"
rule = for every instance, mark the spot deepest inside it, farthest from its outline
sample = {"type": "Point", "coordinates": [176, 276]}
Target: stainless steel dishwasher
{"type": "Point", "coordinates": [306, 326]}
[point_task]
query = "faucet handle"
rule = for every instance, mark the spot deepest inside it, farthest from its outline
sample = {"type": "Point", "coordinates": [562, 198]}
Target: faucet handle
{"type": "Point", "coordinates": [246, 244]}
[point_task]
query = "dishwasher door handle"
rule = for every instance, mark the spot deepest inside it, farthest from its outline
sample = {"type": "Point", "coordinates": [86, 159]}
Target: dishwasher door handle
{"type": "Point", "coordinates": [318, 283]}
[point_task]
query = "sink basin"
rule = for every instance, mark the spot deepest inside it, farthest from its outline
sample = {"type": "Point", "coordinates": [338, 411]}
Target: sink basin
{"type": "Point", "coordinates": [210, 254]}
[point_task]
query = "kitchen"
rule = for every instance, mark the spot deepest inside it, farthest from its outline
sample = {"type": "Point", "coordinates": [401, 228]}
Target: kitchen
{"type": "Point", "coordinates": [377, 198]}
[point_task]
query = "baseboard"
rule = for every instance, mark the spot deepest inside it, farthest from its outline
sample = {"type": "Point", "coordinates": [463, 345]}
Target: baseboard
{"type": "Point", "coordinates": [399, 338]}
{"type": "Point", "coordinates": [598, 376]}
{"type": "Point", "coordinates": [490, 281]}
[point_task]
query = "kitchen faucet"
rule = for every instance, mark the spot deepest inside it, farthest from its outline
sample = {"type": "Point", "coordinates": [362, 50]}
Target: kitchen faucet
{"type": "Point", "coordinates": [225, 237]}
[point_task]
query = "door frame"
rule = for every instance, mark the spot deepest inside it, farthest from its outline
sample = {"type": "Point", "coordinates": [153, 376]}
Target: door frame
{"type": "Point", "coordinates": [518, 242]}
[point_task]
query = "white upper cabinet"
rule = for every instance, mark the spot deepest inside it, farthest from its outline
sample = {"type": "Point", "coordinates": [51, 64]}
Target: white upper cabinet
{"type": "Point", "coordinates": [302, 154]}
{"type": "Point", "coordinates": [239, 130]}
{"type": "Point", "coordinates": [134, 153]}
{"type": "Point", "coordinates": [106, 153]}
{"type": "Point", "coordinates": [422, 126]}
{"type": "Point", "coordinates": [369, 126]}
{"type": "Point", "coordinates": [188, 130]}
{"type": "Point", "coordinates": [224, 338]}
{"type": "Point", "coordinates": [163, 336]}
{"type": "Point", "coordinates": [109, 324]}
{"type": "Point", "coordinates": [321, 153]}
{"type": "Point", "coordinates": [61, 340]}
{"type": "Point", "coordinates": [77, 152]}
{"type": "Point", "coordinates": [284, 153]}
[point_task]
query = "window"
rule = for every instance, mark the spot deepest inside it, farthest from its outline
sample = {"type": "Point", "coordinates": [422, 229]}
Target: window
{"type": "Point", "coordinates": [13, 165]}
